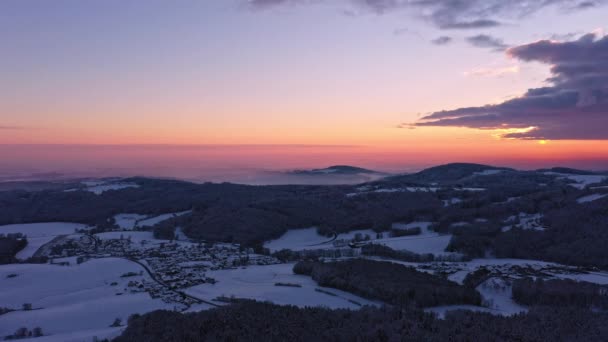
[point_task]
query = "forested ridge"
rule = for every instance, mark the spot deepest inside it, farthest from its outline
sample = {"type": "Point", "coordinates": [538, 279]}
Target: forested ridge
{"type": "Point", "coordinates": [249, 321]}
{"type": "Point", "coordinates": [573, 233]}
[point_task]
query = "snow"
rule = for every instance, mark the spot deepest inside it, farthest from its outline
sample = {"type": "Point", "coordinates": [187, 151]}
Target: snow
{"type": "Point", "coordinates": [152, 221]}
{"type": "Point", "coordinates": [470, 189]}
{"type": "Point", "coordinates": [99, 189]}
{"type": "Point", "coordinates": [497, 295]}
{"type": "Point", "coordinates": [132, 221]}
{"type": "Point", "coordinates": [488, 172]}
{"type": "Point", "coordinates": [426, 242]}
{"type": "Point", "coordinates": [39, 234]}
{"type": "Point", "coordinates": [258, 282]}
{"type": "Point", "coordinates": [307, 239]}
{"type": "Point", "coordinates": [451, 201]}
{"type": "Point", "coordinates": [351, 235]}
{"type": "Point", "coordinates": [591, 198]}
{"type": "Point", "coordinates": [470, 266]}
{"type": "Point", "coordinates": [580, 181]}
{"type": "Point", "coordinates": [70, 300]}
{"type": "Point", "coordinates": [364, 190]}
{"type": "Point", "coordinates": [526, 222]}
{"type": "Point", "coordinates": [600, 278]}
{"type": "Point", "coordinates": [297, 239]}
{"type": "Point", "coordinates": [128, 221]}
{"type": "Point", "coordinates": [180, 235]}
{"type": "Point", "coordinates": [422, 189]}
{"type": "Point", "coordinates": [422, 244]}
{"type": "Point", "coordinates": [139, 239]}
{"type": "Point", "coordinates": [135, 236]}
{"type": "Point", "coordinates": [409, 188]}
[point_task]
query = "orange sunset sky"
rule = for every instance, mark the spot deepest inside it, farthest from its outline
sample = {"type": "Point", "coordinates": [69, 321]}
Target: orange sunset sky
{"type": "Point", "coordinates": [288, 83]}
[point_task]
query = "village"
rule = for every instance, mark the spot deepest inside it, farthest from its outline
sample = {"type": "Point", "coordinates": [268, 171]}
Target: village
{"type": "Point", "coordinates": [172, 266]}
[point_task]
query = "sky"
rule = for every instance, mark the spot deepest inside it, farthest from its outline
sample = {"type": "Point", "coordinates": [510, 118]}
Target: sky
{"type": "Point", "coordinates": [388, 84]}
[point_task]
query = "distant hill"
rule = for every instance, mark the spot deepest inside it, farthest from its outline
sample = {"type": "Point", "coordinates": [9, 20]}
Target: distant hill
{"type": "Point", "coordinates": [447, 173]}
{"type": "Point", "coordinates": [337, 170]}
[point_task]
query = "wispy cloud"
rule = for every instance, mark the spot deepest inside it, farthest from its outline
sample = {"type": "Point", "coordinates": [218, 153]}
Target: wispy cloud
{"type": "Point", "coordinates": [487, 42]}
{"type": "Point", "coordinates": [443, 40]}
{"type": "Point", "coordinates": [6, 127]}
{"type": "Point", "coordinates": [493, 71]}
{"type": "Point", "coordinates": [448, 14]}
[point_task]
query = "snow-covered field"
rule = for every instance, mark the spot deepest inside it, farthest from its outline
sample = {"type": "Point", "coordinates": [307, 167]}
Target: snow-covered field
{"type": "Point", "coordinates": [258, 282]}
{"type": "Point", "coordinates": [72, 302]}
{"type": "Point", "coordinates": [497, 296]}
{"type": "Point", "coordinates": [580, 181]}
{"type": "Point", "coordinates": [149, 222]}
{"type": "Point", "coordinates": [100, 189]}
{"type": "Point", "coordinates": [308, 239]}
{"type": "Point", "coordinates": [128, 221]}
{"type": "Point", "coordinates": [451, 201]}
{"type": "Point", "coordinates": [297, 239]}
{"type": "Point", "coordinates": [131, 221]}
{"type": "Point", "coordinates": [140, 239]}
{"type": "Point", "coordinates": [39, 233]}
{"type": "Point", "coordinates": [524, 221]}
{"type": "Point", "coordinates": [487, 172]}
{"type": "Point", "coordinates": [426, 242]}
{"type": "Point", "coordinates": [591, 198]}
{"type": "Point", "coordinates": [464, 268]}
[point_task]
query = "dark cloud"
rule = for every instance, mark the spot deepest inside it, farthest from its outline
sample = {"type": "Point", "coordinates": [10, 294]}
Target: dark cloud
{"type": "Point", "coordinates": [443, 40]}
{"type": "Point", "coordinates": [586, 4]}
{"type": "Point", "coordinates": [451, 14]}
{"type": "Point", "coordinates": [574, 106]}
{"type": "Point", "coordinates": [485, 41]}
{"type": "Point", "coordinates": [9, 127]}
{"type": "Point", "coordinates": [268, 3]}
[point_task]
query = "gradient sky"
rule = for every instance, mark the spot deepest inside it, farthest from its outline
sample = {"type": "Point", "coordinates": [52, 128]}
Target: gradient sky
{"type": "Point", "coordinates": [383, 75]}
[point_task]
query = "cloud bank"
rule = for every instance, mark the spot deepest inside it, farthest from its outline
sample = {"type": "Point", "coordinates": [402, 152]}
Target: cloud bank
{"type": "Point", "coordinates": [573, 106]}
{"type": "Point", "coordinates": [449, 14]}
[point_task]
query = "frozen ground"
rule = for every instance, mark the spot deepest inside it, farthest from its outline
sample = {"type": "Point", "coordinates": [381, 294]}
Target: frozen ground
{"type": "Point", "coordinates": [100, 189]}
{"type": "Point", "coordinates": [140, 239]}
{"type": "Point", "coordinates": [497, 296]}
{"type": "Point", "coordinates": [258, 282]}
{"type": "Point", "coordinates": [308, 239]}
{"type": "Point", "coordinates": [297, 239]}
{"type": "Point", "coordinates": [128, 221]}
{"type": "Point", "coordinates": [149, 222]}
{"type": "Point", "coordinates": [464, 268]}
{"type": "Point", "coordinates": [131, 221]}
{"type": "Point", "coordinates": [591, 198]}
{"type": "Point", "coordinates": [71, 302]}
{"type": "Point", "coordinates": [451, 201]}
{"type": "Point", "coordinates": [426, 242]}
{"type": "Point", "coordinates": [39, 233]}
{"type": "Point", "coordinates": [580, 181]}
{"type": "Point", "coordinates": [488, 172]}
{"type": "Point", "coordinates": [524, 221]}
